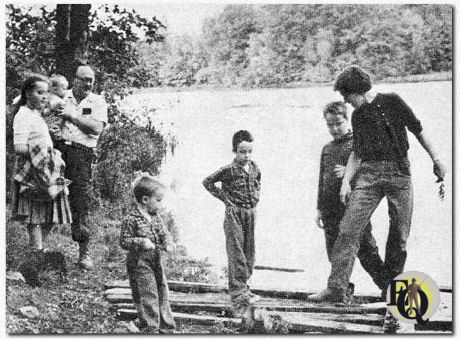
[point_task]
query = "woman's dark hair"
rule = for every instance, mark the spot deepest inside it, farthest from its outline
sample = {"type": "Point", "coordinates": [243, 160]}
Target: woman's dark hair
{"type": "Point", "coordinates": [29, 85]}
{"type": "Point", "coordinates": [353, 79]}
{"type": "Point", "coordinates": [239, 137]}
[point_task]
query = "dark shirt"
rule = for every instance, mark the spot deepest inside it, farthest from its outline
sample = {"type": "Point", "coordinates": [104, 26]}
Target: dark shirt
{"type": "Point", "coordinates": [334, 153]}
{"type": "Point", "coordinates": [379, 128]}
{"type": "Point", "coordinates": [239, 187]}
{"type": "Point", "coordinates": [135, 228]}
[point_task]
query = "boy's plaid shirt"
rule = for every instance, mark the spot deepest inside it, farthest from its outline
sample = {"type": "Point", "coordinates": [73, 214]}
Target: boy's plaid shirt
{"type": "Point", "coordinates": [135, 228]}
{"type": "Point", "coordinates": [238, 186]}
{"type": "Point", "coordinates": [42, 173]}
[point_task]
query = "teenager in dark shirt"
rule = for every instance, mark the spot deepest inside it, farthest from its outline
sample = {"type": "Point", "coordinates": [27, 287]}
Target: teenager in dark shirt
{"type": "Point", "coordinates": [379, 160]}
{"type": "Point", "coordinates": [330, 209]}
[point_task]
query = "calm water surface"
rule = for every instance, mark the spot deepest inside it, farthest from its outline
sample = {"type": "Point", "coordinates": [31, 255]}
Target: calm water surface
{"type": "Point", "coordinates": [289, 133]}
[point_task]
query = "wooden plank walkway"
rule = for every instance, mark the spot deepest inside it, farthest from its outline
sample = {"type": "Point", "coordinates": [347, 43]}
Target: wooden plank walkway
{"type": "Point", "coordinates": [208, 304]}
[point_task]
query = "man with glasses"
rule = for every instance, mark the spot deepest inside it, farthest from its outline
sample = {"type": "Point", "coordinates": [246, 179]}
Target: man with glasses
{"type": "Point", "coordinates": [85, 115]}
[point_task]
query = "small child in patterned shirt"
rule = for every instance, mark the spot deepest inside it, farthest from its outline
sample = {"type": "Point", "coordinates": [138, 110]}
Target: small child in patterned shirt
{"type": "Point", "coordinates": [143, 235]}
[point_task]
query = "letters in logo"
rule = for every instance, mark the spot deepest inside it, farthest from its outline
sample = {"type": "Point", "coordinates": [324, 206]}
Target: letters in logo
{"type": "Point", "coordinates": [413, 297]}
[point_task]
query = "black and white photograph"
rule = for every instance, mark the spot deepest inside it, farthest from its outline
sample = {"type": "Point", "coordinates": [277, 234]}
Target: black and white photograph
{"type": "Point", "coordinates": [228, 168]}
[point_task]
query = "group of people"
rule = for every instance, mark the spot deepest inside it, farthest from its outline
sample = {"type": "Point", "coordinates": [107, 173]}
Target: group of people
{"type": "Point", "coordinates": [359, 167]}
{"type": "Point", "coordinates": [55, 136]}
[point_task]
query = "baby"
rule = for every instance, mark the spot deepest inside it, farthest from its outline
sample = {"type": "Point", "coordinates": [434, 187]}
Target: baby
{"type": "Point", "coordinates": [58, 87]}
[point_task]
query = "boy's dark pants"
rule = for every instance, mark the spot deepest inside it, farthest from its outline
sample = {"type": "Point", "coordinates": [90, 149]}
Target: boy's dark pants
{"type": "Point", "coordinates": [375, 180]}
{"type": "Point", "coordinates": [239, 235]}
{"type": "Point", "coordinates": [150, 292]}
{"type": "Point", "coordinates": [368, 253]}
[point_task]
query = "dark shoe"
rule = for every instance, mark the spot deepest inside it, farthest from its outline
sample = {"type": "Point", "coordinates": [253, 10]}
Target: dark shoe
{"type": "Point", "coordinates": [350, 290]}
{"type": "Point", "coordinates": [328, 295]}
{"type": "Point", "coordinates": [84, 260]}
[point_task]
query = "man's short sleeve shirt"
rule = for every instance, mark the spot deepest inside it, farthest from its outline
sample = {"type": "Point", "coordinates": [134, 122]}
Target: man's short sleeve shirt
{"type": "Point", "coordinates": [93, 106]}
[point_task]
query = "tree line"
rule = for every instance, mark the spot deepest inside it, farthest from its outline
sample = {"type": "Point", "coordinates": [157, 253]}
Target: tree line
{"type": "Point", "coordinates": [272, 45]}
{"type": "Point", "coordinates": [244, 45]}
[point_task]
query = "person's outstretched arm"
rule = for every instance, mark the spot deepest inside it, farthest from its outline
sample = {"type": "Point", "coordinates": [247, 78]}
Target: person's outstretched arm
{"type": "Point", "coordinates": [438, 167]}
{"type": "Point", "coordinates": [350, 170]}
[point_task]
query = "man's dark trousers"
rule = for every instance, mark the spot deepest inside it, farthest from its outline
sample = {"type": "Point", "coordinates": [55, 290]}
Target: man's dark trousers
{"type": "Point", "coordinates": [375, 180]}
{"type": "Point", "coordinates": [368, 253]}
{"type": "Point", "coordinates": [78, 162]}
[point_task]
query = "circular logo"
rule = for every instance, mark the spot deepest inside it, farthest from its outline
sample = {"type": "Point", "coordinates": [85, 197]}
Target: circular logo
{"type": "Point", "coordinates": [413, 297]}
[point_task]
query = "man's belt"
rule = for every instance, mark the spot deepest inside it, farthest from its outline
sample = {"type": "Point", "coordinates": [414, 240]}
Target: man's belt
{"type": "Point", "coordinates": [78, 146]}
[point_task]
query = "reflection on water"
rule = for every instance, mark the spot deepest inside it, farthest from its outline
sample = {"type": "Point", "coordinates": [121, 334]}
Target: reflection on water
{"type": "Point", "coordinates": [289, 133]}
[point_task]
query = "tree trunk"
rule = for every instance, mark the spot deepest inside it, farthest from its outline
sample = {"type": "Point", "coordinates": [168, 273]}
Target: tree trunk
{"type": "Point", "coordinates": [71, 38]}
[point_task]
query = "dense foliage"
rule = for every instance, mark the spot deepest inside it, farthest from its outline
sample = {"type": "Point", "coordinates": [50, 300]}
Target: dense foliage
{"type": "Point", "coordinates": [247, 45]}
{"type": "Point", "coordinates": [273, 45]}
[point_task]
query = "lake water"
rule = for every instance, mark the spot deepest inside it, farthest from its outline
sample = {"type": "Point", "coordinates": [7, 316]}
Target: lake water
{"type": "Point", "coordinates": [289, 134]}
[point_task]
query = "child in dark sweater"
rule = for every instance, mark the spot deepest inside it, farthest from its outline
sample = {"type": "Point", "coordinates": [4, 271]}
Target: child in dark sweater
{"type": "Point", "coordinates": [330, 210]}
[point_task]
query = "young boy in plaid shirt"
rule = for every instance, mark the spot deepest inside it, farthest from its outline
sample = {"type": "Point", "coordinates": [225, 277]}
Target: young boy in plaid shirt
{"type": "Point", "coordinates": [239, 191]}
{"type": "Point", "coordinates": [143, 235]}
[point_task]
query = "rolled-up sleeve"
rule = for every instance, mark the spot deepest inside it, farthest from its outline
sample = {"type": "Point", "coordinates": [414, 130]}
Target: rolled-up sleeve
{"type": "Point", "coordinates": [412, 123]}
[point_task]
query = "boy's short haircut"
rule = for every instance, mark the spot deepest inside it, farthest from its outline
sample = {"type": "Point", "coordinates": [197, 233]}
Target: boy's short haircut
{"type": "Point", "coordinates": [146, 185]}
{"type": "Point", "coordinates": [58, 79]}
{"type": "Point", "coordinates": [336, 108]}
{"type": "Point", "coordinates": [353, 79]}
{"type": "Point", "coordinates": [239, 137]}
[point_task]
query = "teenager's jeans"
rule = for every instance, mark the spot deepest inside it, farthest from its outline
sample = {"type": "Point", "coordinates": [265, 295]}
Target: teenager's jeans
{"type": "Point", "coordinates": [368, 253]}
{"type": "Point", "coordinates": [375, 180]}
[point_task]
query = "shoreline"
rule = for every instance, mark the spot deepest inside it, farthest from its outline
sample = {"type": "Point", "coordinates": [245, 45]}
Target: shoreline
{"type": "Point", "coordinates": [430, 77]}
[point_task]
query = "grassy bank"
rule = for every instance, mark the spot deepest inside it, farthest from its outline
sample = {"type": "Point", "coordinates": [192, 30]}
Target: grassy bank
{"type": "Point", "coordinates": [77, 306]}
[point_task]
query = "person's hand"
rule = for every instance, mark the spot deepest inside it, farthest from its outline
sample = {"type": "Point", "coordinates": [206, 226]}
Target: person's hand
{"type": "Point", "coordinates": [55, 132]}
{"type": "Point", "coordinates": [66, 114]}
{"type": "Point", "coordinates": [58, 109]}
{"type": "Point", "coordinates": [148, 244]}
{"type": "Point", "coordinates": [339, 171]}
{"type": "Point", "coordinates": [439, 169]}
{"type": "Point", "coordinates": [318, 219]}
{"type": "Point", "coordinates": [345, 191]}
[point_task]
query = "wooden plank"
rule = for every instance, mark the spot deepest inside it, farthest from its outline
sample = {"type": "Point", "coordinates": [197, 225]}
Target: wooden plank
{"type": "Point", "coordinates": [301, 324]}
{"type": "Point", "coordinates": [118, 291]}
{"type": "Point", "coordinates": [118, 298]}
{"type": "Point", "coordinates": [445, 288]}
{"type": "Point", "coordinates": [221, 303]}
{"type": "Point", "coordinates": [277, 269]}
{"type": "Point", "coordinates": [178, 286]}
{"type": "Point", "coordinates": [193, 287]}
{"type": "Point", "coordinates": [365, 319]}
{"type": "Point", "coordinates": [184, 318]}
